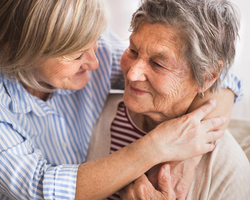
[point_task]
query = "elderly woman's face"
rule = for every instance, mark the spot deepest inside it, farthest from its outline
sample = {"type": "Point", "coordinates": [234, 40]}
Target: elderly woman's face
{"type": "Point", "coordinates": [70, 72]}
{"type": "Point", "coordinates": [158, 82]}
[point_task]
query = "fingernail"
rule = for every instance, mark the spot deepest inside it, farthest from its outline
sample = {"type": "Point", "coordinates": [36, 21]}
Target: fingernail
{"type": "Point", "coordinates": [224, 119]}
{"type": "Point", "coordinates": [213, 101]}
{"type": "Point", "coordinates": [166, 168]}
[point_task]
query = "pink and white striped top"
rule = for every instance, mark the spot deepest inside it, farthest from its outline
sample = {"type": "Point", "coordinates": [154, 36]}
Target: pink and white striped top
{"type": "Point", "coordinates": [123, 132]}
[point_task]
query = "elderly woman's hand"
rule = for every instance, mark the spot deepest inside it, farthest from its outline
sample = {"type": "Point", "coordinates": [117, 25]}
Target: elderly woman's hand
{"type": "Point", "coordinates": [164, 183]}
{"type": "Point", "coordinates": [143, 189]}
{"type": "Point", "coordinates": [182, 174]}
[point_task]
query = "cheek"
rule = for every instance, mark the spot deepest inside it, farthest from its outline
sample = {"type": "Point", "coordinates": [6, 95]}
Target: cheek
{"type": "Point", "coordinates": [168, 85]}
{"type": "Point", "coordinates": [171, 87]}
{"type": "Point", "coordinates": [125, 62]}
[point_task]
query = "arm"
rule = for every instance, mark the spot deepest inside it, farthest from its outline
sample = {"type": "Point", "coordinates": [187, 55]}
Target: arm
{"type": "Point", "coordinates": [231, 92]}
{"type": "Point", "coordinates": [25, 174]}
{"type": "Point", "coordinates": [225, 100]}
{"type": "Point", "coordinates": [101, 178]}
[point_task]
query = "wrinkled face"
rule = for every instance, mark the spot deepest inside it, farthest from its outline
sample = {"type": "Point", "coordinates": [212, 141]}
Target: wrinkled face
{"type": "Point", "coordinates": [70, 72]}
{"type": "Point", "coordinates": [158, 82]}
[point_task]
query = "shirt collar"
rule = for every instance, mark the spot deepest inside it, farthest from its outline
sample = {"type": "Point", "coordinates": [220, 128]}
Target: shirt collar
{"type": "Point", "coordinates": [24, 102]}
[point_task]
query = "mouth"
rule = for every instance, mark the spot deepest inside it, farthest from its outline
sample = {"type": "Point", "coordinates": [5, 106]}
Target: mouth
{"type": "Point", "coordinates": [137, 91]}
{"type": "Point", "coordinates": [80, 73]}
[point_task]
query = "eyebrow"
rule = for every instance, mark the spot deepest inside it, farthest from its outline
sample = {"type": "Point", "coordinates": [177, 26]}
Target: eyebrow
{"type": "Point", "coordinates": [160, 55]}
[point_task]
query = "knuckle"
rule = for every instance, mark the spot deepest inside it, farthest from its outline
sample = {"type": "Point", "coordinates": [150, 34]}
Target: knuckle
{"type": "Point", "coordinates": [195, 126]}
{"type": "Point", "coordinates": [213, 136]}
{"type": "Point", "coordinates": [197, 147]}
{"type": "Point", "coordinates": [172, 196]}
{"type": "Point", "coordinates": [141, 190]}
{"type": "Point", "coordinates": [213, 122]}
{"type": "Point", "coordinates": [128, 193]}
{"type": "Point", "coordinates": [186, 118]}
{"type": "Point", "coordinates": [181, 189]}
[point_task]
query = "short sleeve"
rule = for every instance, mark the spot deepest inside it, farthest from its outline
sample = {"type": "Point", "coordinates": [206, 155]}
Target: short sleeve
{"type": "Point", "coordinates": [234, 83]}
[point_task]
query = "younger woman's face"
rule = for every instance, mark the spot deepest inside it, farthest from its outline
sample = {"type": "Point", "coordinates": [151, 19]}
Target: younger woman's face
{"type": "Point", "coordinates": [69, 72]}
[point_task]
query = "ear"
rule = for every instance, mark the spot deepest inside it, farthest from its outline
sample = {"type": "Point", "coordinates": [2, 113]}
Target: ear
{"type": "Point", "coordinates": [209, 81]}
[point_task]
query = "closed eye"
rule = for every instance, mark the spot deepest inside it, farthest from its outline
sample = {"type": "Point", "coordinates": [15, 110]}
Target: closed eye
{"type": "Point", "coordinates": [78, 58]}
{"type": "Point", "coordinates": [133, 52]}
{"type": "Point", "coordinates": [156, 64]}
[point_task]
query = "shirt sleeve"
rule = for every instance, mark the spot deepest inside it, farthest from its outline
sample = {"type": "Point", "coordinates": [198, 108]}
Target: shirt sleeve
{"type": "Point", "coordinates": [234, 83]}
{"type": "Point", "coordinates": [25, 173]}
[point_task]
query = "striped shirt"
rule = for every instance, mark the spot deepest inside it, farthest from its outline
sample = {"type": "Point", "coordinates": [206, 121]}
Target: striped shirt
{"type": "Point", "coordinates": [123, 132]}
{"type": "Point", "coordinates": [43, 143]}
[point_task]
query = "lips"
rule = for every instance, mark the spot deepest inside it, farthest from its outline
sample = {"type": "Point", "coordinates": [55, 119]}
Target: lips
{"type": "Point", "coordinates": [137, 91]}
{"type": "Point", "coordinates": [80, 73]}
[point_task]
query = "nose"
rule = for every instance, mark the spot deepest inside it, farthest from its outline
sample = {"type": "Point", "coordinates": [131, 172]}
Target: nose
{"type": "Point", "coordinates": [137, 71]}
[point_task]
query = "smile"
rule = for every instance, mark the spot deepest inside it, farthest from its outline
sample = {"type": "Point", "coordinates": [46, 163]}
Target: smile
{"type": "Point", "coordinates": [137, 91]}
{"type": "Point", "coordinates": [80, 73]}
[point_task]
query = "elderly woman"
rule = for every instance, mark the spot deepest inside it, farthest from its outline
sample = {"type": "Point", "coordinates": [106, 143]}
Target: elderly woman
{"type": "Point", "coordinates": [177, 50]}
{"type": "Point", "coordinates": [52, 93]}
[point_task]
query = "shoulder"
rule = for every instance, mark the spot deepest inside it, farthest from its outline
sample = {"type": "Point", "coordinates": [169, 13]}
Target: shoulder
{"type": "Point", "coordinates": [229, 151]}
{"type": "Point", "coordinates": [222, 171]}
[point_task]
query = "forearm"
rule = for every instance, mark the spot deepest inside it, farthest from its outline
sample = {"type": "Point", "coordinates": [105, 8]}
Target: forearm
{"type": "Point", "coordinates": [225, 101]}
{"type": "Point", "coordinates": [101, 178]}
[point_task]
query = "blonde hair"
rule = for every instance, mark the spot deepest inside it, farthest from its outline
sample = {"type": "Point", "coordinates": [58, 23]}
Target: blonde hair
{"type": "Point", "coordinates": [34, 29]}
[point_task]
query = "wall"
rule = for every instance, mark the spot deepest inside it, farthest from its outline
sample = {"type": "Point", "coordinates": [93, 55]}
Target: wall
{"type": "Point", "coordinates": [120, 12]}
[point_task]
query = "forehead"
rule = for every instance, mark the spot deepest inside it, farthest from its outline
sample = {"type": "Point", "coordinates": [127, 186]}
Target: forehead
{"type": "Point", "coordinates": [157, 39]}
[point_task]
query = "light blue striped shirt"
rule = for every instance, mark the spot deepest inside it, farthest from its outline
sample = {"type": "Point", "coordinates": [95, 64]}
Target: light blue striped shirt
{"type": "Point", "coordinates": [43, 143]}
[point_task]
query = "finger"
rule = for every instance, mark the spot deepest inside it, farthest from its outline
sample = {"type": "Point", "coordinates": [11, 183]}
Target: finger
{"type": "Point", "coordinates": [127, 192]}
{"type": "Point", "coordinates": [141, 187]}
{"type": "Point", "coordinates": [214, 123]}
{"type": "Point", "coordinates": [204, 110]}
{"type": "Point", "coordinates": [164, 182]}
{"type": "Point", "coordinates": [213, 136]}
{"type": "Point", "coordinates": [209, 147]}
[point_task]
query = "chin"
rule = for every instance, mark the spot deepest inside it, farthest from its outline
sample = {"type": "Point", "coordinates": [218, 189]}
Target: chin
{"type": "Point", "coordinates": [75, 86]}
{"type": "Point", "coordinates": [133, 105]}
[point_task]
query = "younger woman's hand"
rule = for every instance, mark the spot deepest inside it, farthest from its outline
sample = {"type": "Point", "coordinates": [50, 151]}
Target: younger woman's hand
{"type": "Point", "coordinates": [187, 136]}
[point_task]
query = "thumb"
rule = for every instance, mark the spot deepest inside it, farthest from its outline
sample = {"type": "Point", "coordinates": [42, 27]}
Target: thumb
{"type": "Point", "coordinates": [164, 182]}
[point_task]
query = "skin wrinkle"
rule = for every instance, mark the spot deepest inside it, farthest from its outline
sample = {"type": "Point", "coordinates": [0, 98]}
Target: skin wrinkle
{"type": "Point", "coordinates": [66, 72]}
{"type": "Point", "coordinates": [149, 44]}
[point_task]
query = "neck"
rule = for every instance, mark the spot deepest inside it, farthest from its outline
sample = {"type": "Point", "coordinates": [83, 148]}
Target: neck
{"type": "Point", "coordinates": [143, 122]}
{"type": "Point", "coordinates": [39, 94]}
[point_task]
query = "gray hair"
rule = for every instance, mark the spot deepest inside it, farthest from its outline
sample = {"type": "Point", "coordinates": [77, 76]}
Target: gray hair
{"type": "Point", "coordinates": [34, 29]}
{"type": "Point", "coordinates": [208, 27]}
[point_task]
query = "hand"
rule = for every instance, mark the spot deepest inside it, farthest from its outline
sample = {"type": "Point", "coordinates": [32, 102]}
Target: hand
{"type": "Point", "coordinates": [181, 176]}
{"type": "Point", "coordinates": [187, 136]}
{"type": "Point", "coordinates": [143, 189]}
